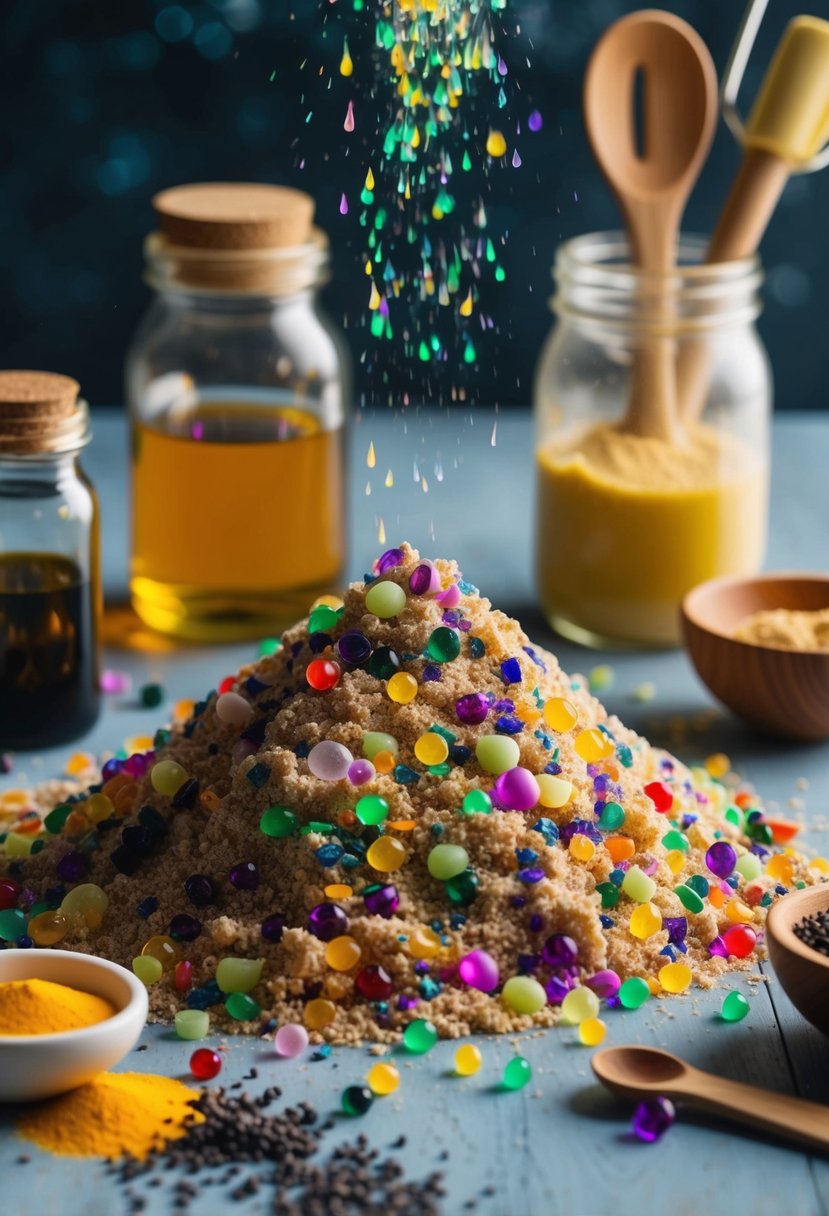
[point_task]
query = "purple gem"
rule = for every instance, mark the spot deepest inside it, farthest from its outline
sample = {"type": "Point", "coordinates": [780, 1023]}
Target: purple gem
{"type": "Point", "coordinates": [200, 890]}
{"type": "Point", "coordinates": [244, 877]}
{"type": "Point", "coordinates": [652, 1118]}
{"type": "Point", "coordinates": [111, 768]}
{"type": "Point", "coordinates": [273, 927]}
{"type": "Point", "coordinates": [472, 709]}
{"type": "Point", "coordinates": [535, 122]}
{"type": "Point", "coordinates": [424, 580]}
{"type": "Point", "coordinates": [718, 948]}
{"type": "Point", "coordinates": [185, 928]}
{"type": "Point", "coordinates": [721, 858]}
{"type": "Point", "coordinates": [381, 899]}
{"type": "Point", "coordinates": [72, 867]}
{"type": "Point", "coordinates": [511, 671]}
{"type": "Point", "coordinates": [604, 983]}
{"type": "Point", "coordinates": [136, 765]}
{"type": "Point", "coordinates": [557, 990]}
{"type": "Point", "coordinates": [389, 560]}
{"type": "Point", "coordinates": [536, 923]}
{"type": "Point", "coordinates": [431, 673]}
{"type": "Point", "coordinates": [677, 927]}
{"type": "Point", "coordinates": [354, 648]}
{"type": "Point", "coordinates": [559, 950]}
{"type": "Point", "coordinates": [327, 921]}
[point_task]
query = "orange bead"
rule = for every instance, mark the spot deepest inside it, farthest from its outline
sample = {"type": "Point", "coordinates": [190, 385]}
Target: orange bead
{"type": "Point", "coordinates": [124, 799]}
{"type": "Point", "coordinates": [111, 787]}
{"type": "Point", "coordinates": [620, 848]}
{"type": "Point", "coordinates": [402, 825]}
{"type": "Point", "coordinates": [76, 824]}
{"type": "Point", "coordinates": [209, 801]}
{"type": "Point", "coordinates": [716, 898]}
{"type": "Point", "coordinates": [384, 762]}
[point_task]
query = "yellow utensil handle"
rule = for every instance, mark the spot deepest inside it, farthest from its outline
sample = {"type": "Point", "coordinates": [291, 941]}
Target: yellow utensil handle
{"type": "Point", "coordinates": [790, 117]}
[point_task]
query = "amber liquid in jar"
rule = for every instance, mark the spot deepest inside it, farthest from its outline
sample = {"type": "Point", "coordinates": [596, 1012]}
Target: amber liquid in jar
{"type": "Point", "coordinates": [48, 664]}
{"type": "Point", "coordinates": [237, 519]}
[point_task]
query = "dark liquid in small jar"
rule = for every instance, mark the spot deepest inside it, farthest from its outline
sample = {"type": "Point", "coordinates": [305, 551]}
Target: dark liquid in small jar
{"type": "Point", "coordinates": [48, 656]}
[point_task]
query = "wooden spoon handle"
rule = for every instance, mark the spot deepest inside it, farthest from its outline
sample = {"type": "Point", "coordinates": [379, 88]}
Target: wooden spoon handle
{"type": "Point", "coordinates": [791, 1118]}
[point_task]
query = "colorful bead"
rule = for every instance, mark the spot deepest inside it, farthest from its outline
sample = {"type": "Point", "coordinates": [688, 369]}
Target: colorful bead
{"type": "Point", "coordinates": [560, 715]}
{"type": "Point", "coordinates": [431, 748]}
{"type": "Point", "coordinates": [524, 995]}
{"type": "Point", "coordinates": [645, 921]}
{"type": "Point", "coordinates": [372, 810]}
{"type": "Point", "coordinates": [734, 1007]}
{"type": "Point", "coordinates": [497, 753]}
{"type": "Point", "coordinates": [343, 953]}
{"type": "Point", "coordinates": [381, 899]}
{"type": "Point", "coordinates": [517, 1073]}
{"type": "Point", "coordinates": [402, 688]}
{"type": "Point", "coordinates": [87, 902]}
{"type": "Point", "coordinates": [419, 1037]}
{"type": "Point", "coordinates": [360, 772]}
{"type": "Point", "coordinates": [319, 1013]}
{"type": "Point", "coordinates": [239, 974]}
{"type": "Point", "coordinates": [48, 928]}
{"type": "Point", "coordinates": [423, 942]}
{"type": "Point", "coordinates": [278, 822]}
{"type": "Point", "coordinates": [472, 709]}
{"type": "Point", "coordinates": [592, 1032]}
{"type": "Point", "coordinates": [581, 847]}
{"type": "Point", "coordinates": [374, 983]}
{"type": "Point", "coordinates": [444, 645]}
{"type": "Point", "coordinates": [739, 940]}
{"type": "Point", "coordinates": [675, 977]}
{"type": "Point", "coordinates": [329, 761]}
{"type": "Point", "coordinates": [634, 992]}
{"type": "Point", "coordinates": [479, 970]}
{"type": "Point", "coordinates": [290, 1040]}
{"type": "Point", "coordinates": [638, 885]}
{"type": "Point", "coordinates": [721, 858]}
{"type": "Point", "coordinates": [517, 790]}
{"type": "Point", "coordinates": [661, 796]}
{"type": "Point", "coordinates": [425, 580]}
{"type": "Point", "coordinates": [192, 1024]}
{"type": "Point", "coordinates": [447, 860]}
{"type": "Point", "coordinates": [651, 1119]}
{"type": "Point", "coordinates": [476, 802]}
{"type": "Point", "coordinates": [322, 674]}
{"type": "Point", "coordinates": [386, 854]}
{"type": "Point", "coordinates": [354, 648]}
{"type": "Point", "coordinates": [241, 1007]}
{"type": "Point", "coordinates": [383, 1079]}
{"type": "Point", "coordinates": [592, 745]}
{"type": "Point", "coordinates": [244, 876]}
{"type": "Point", "coordinates": [167, 777]}
{"type": "Point", "coordinates": [385, 599]}
{"type": "Point", "coordinates": [205, 1064]}
{"type": "Point", "coordinates": [148, 970]}
{"type": "Point", "coordinates": [468, 1060]}
{"type": "Point", "coordinates": [233, 709]}
{"type": "Point", "coordinates": [375, 741]}
{"type": "Point", "coordinates": [356, 1100]}
{"type": "Point", "coordinates": [462, 890]}
{"type": "Point", "coordinates": [578, 1005]}
{"type": "Point", "coordinates": [553, 792]}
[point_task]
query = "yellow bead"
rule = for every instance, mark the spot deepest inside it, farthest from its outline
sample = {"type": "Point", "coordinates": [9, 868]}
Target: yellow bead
{"type": "Point", "coordinates": [582, 847]}
{"type": "Point", "coordinates": [781, 869]}
{"type": "Point", "coordinates": [98, 807]}
{"type": "Point", "coordinates": [560, 715]}
{"type": "Point", "coordinates": [654, 986]}
{"type": "Point", "coordinates": [423, 942]}
{"type": "Point", "coordinates": [167, 777]}
{"type": "Point", "coordinates": [342, 953]}
{"type": "Point", "coordinates": [383, 1079]}
{"type": "Point", "coordinates": [78, 763]}
{"type": "Point", "coordinates": [718, 765]}
{"type": "Point", "coordinates": [17, 844]}
{"type": "Point", "coordinates": [402, 687]}
{"type": "Point", "coordinates": [821, 864]}
{"type": "Point", "coordinates": [675, 977]}
{"type": "Point", "coordinates": [675, 860]}
{"type": "Point", "coordinates": [467, 1060]}
{"type": "Point", "coordinates": [48, 928]}
{"type": "Point", "coordinates": [555, 791]}
{"type": "Point", "coordinates": [592, 1032]}
{"type": "Point", "coordinates": [431, 748]}
{"type": "Point", "coordinates": [86, 902]}
{"type": "Point", "coordinates": [738, 912]}
{"type": "Point", "coordinates": [645, 921]}
{"type": "Point", "coordinates": [386, 854]}
{"type": "Point", "coordinates": [592, 746]}
{"type": "Point", "coordinates": [182, 710]}
{"type": "Point", "coordinates": [327, 601]}
{"type": "Point", "coordinates": [338, 890]}
{"type": "Point", "coordinates": [138, 743]}
{"type": "Point", "coordinates": [163, 948]}
{"type": "Point", "coordinates": [319, 1013]}
{"type": "Point", "coordinates": [14, 800]}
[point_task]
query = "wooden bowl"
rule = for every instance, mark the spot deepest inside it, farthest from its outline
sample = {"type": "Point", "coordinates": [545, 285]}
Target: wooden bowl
{"type": "Point", "coordinates": [780, 692]}
{"type": "Point", "coordinates": [803, 973]}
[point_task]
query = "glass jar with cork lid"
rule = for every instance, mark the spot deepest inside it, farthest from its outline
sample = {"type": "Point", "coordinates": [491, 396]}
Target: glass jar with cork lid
{"type": "Point", "coordinates": [237, 387]}
{"type": "Point", "coordinates": [49, 564]}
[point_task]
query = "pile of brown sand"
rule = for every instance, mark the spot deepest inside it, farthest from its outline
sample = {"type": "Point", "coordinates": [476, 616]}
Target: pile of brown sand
{"type": "Point", "coordinates": [609, 814]}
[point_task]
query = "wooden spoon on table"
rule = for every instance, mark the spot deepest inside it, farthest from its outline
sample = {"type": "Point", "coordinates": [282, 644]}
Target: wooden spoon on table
{"type": "Point", "coordinates": [646, 1072]}
{"type": "Point", "coordinates": [650, 107]}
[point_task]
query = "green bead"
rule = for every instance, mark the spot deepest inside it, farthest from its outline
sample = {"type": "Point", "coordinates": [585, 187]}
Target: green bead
{"type": "Point", "coordinates": [638, 885]}
{"type": "Point", "coordinates": [269, 646]}
{"type": "Point", "coordinates": [688, 898]}
{"type": "Point", "coordinates": [86, 901]}
{"type": "Point", "coordinates": [517, 1073]}
{"type": "Point", "coordinates": [323, 619]}
{"type": "Point", "coordinates": [151, 696]}
{"type": "Point", "coordinates": [734, 1007]}
{"type": "Point", "coordinates": [55, 820]}
{"type": "Point", "coordinates": [676, 840]}
{"type": "Point", "coordinates": [444, 644]}
{"type": "Point", "coordinates": [446, 861]}
{"type": "Point", "coordinates": [18, 844]}
{"type": "Point", "coordinates": [241, 1007]}
{"type": "Point", "coordinates": [419, 1037]}
{"type": "Point", "coordinates": [278, 822]}
{"type": "Point", "coordinates": [462, 890]}
{"type": "Point", "coordinates": [748, 866]}
{"type": "Point", "coordinates": [375, 741]}
{"type": "Point", "coordinates": [12, 924]}
{"type": "Point", "coordinates": [356, 1100]}
{"type": "Point", "coordinates": [192, 1024]}
{"type": "Point", "coordinates": [477, 802]}
{"type": "Point", "coordinates": [372, 810]}
{"type": "Point", "coordinates": [383, 664]}
{"type": "Point", "coordinates": [612, 817]}
{"type": "Point", "coordinates": [239, 974]}
{"type": "Point", "coordinates": [497, 754]}
{"type": "Point", "coordinates": [634, 992]}
{"type": "Point", "coordinates": [699, 884]}
{"type": "Point", "coordinates": [523, 994]}
{"type": "Point", "coordinates": [167, 777]}
{"type": "Point", "coordinates": [734, 815]}
{"type": "Point", "coordinates": [609, 893]}
{"type": "Point", "coordinates": [385, 599]}
{"type": "Point", "coordinates": [148, 969]}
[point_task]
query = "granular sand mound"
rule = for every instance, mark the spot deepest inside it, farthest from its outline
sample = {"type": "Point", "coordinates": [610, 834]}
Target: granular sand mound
{"type": "Point", "coordinates": [530, 874]}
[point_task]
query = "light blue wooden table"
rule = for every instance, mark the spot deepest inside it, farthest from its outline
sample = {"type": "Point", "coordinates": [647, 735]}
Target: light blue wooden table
{"type": "Point", "coordinates": [561, 1146]}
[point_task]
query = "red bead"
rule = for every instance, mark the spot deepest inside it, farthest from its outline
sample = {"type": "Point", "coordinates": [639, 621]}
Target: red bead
{"type": "Point", "coordinates": [227, 684]}
{"type": "Point", "coordinates": [660, 795]}
{"type": "Point", "coordinates": [183, 976]}
{"type": "Point", "coordinates": [374, 983]}
{"type": "Point", "coordinates": [205, 1064]}
{"type": "Point", "coordinates": [739, 940]}
{"type": "Point", "coordinates": [323, 674]}
{"type": "Point", "coordinates": [9, 891]}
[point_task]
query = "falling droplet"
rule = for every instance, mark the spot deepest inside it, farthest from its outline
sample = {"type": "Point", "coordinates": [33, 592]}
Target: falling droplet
{"type": "Point", "coordinates": [371, 458]}
{"type": "Point", "coordinates": [496, 145]}
{"type": "Point", "coordinates": [381, 532]}
{"type": "Point", "coordinates": [389, 482]}
{"type": "Point", "coordinates": [466, 307]}
{"type": "Point", "coordinates": [516, 160]}
{"type": "Point", "coordinates": [343, 205]}
{"type": "Point", "coordinates": [466, 163]}
{"type": "Point", "coordinates": [368, 489]}
{"type": "Point", "coordinates": [415, 473]}
{"type": "Point", "coordinates": [346, 63]}
{"type": "Point", "coordinates": [348, 125]}
{"type": "Point", "coordinates": [369, 180]}
{"type": "Point", "coordinates": [502, 67]}
{"type": "Point", "coordinates": [535, 122]}
{"type": "Point", "coordinates": [493, 437]}
{"type": "Point", "coordinates": [374, 299]}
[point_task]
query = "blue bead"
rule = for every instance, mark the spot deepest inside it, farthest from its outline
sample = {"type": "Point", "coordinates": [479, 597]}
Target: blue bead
{"type": "Point", "coordinates": [511, 671]}
{"type": "Point", "coordinates": [477, 649]}
{"type": "Point", "coordinates": [404, 775]}
{"type": "Point", "coordinates": [547, 829]}
{"type": "Point", "coordinates": [508, 725]}
{"type": "Point", "coordinates": [258, 776]}
{"type": "Point", "coordinates": [147, 907]}
{"type": "Point", "coordinates": [329, 854]}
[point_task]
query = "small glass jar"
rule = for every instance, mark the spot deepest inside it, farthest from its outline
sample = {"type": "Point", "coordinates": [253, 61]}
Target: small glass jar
{"type": "Point", "coordinates": [237, 387]}
{"type": "Point", "coordinates": [50, 599]}
{"type": "Point", "coordinates": [635, 505]}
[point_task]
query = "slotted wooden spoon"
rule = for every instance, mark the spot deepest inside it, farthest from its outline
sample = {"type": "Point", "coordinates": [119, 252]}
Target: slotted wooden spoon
{"type": "Point", "coordinates": [650, 108]}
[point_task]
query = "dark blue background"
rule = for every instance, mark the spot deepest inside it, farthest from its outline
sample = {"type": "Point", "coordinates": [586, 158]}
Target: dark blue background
{"type": "Point", "coordinates": [104, 102]}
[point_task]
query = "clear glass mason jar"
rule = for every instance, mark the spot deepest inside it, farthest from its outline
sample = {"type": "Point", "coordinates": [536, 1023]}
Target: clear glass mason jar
{"type": "Point", "coordinates": [652, 405]}
{"type": "Point", "coordinates": [237, 387]}
{"type": "Point", "coordinates": [50, 597]}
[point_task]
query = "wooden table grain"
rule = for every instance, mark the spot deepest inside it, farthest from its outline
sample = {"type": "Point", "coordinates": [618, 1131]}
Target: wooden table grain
{"type": "Point", "coordinates": [561, 1146]}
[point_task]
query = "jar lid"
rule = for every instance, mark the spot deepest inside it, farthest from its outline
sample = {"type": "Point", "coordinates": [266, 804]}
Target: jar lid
{"type": "Point", "coordinates": [235, 215]}
{"type": "Point", "coordinates": [41, 412]}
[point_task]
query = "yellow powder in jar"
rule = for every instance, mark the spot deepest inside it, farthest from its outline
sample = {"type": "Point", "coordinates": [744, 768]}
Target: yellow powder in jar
{"type": "Point", "coordinates": [116, 1115]}
{"type": "Point", "coordinates": [42, 1007]}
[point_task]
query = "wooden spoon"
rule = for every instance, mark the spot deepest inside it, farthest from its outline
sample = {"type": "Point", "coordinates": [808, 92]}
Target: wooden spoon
{"type": "Point", "coordinates": [644, 1072]}
{"type": "Point", "coordinates": [650, 107]}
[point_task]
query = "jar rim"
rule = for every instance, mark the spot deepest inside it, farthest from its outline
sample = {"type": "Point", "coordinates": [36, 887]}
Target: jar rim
{"type": "Point", "coordinates": [609, 252]}
{"type": "Point", "coordinates": [270, 271]}
{"type": "Point", "coordinates": [69, 435]}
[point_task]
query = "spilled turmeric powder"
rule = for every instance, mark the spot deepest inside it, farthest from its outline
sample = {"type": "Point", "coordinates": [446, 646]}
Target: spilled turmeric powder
{"type": "Point", "coordinates": [116, 1115]}
{"type": "Point", "coordinates": [42, 1007]}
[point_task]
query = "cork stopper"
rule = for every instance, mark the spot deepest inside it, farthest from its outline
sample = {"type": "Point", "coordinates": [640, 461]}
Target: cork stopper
{"type": "Point", "coordinates": [40, 412]}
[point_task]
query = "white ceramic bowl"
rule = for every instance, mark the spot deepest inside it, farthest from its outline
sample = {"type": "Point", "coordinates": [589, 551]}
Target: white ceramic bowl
{"type": "Point", "coordinates": [41, 1065]}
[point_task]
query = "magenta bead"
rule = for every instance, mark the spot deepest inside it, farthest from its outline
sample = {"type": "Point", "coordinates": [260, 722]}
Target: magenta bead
{"type": "Point", "coordinates": [360, 772]}
{"type": "Point", "coordinates": [290, 1040]}
{"type": "Point", "coordinates": [136, 765]}
{"type": "Point", "coordinates": [114, 682]}
{"type": "Point", "coordinates": [330, 761]}
{"type": "Point", "coordinates": [479, 970]}
{"type": "Point", "coordinates": [424, 580]}
{"type": "Point", "coordinates": [451, 597]}
{"type": "Point", "coordinates": [472, 708]}
{"type": "Point", "coordinates": [605, 984]}
{"type": "Point", "coordinates": [517, 790]}
{"type": "Point", "coordinates": [651, 1119]}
